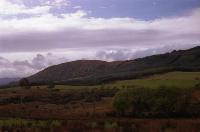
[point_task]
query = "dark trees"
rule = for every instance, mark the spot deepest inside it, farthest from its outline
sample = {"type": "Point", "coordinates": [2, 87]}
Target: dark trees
{"type": "Point", "coordinates": [24, 82]}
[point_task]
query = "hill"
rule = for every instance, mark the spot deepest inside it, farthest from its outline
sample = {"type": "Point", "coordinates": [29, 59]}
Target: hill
{"type": "Point", "coordinates": [95, 71]}
{"type": "Point", "coordinates": [5, 81]}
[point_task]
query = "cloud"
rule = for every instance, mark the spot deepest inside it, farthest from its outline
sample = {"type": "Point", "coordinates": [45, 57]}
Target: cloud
{"type": "Point", "coordinates": [61, 2]}
{"type": "Point", "coordinates": [43, 31]}
{"type": "Point", "coordinates": [131, 54]}
{"type": "Point", "coordinates": [14, 8]}
{"type": "Point", "coordinates": [76, 30]}
{"type": "Point", "coordinates": [26, 68]}
{"type": "Point", "coordinates": [77, 7]}
{"type": "Point", "coordinates": [40, 61]}
{"type": "Point", "coordinates": [23, 68]}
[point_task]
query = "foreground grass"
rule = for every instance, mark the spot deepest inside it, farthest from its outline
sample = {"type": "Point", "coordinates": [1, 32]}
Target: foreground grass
{"type": "Point", "coordinates": [105, 125]}
{"type": "Point", "coordinates": [29, 123]}
{"type": "Point", "coordinates": [73, 102]}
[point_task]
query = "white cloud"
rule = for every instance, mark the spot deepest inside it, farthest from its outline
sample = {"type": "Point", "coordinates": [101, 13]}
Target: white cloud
{"type": "Point", "coordinates": [9, 8]}
{"type": "Point", "coordinates": [45, 22]}
{"type": "Point", "coordinates": [77, 7]}
{"type": "Point", "coordinates": [57, 3]}
{"type": "Point", "coordinates": [185, 24]}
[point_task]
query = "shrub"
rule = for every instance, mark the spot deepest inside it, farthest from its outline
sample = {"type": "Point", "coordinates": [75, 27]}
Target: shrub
{"type": "Point", "coordinates": [51, 85]}
{"type": "Point", "coordinates": [93, 125]}
{"type": "Point", "coordinates": [110, 125]}
{"type": "Point", "coordinates": [197, 86]}
{"type": "Point", "coordinates": [55, 123]}
{"type": "Point", "coordinates": [121, 102]}
{"type": "Point", "coordinates": [146, 102]}
{"type": "Point", "coordinates": [24, 82]}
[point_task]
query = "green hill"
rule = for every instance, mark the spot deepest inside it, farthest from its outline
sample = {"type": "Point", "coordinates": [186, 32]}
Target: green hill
{"type": "Point", "coordinates": [87, 72]}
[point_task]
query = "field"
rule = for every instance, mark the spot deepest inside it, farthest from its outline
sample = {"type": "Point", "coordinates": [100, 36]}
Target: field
{"type": "Point", "coordinates": [177, 79]}
{"type": "Point", "coordinates": [89, 107]}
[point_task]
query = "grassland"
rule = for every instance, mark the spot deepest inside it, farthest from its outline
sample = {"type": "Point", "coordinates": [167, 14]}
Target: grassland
{"type": "Point", "coordinates": [175, 79]}
{"type": "Point", "coordinates": [90, 107]}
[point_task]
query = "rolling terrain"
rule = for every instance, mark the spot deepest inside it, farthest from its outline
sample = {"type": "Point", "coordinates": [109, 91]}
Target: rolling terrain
{"type": "Point", "coordinates": [92, 72]}
{"type": "Point", "coordinates": [159, 93]}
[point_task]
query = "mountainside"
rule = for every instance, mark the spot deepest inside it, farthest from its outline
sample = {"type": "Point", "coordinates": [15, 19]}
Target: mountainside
{"type": "Point", "coordinates": [95, 71]}
{"type": "Point", "coordinates": [4, 81]}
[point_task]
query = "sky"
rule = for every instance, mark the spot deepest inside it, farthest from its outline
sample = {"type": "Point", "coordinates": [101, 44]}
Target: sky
{"type": "Point", "coordinates": [35, 34]}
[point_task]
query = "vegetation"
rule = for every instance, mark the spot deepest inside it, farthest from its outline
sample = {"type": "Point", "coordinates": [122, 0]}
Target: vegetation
{"type": "Point", "coordinates": [24, 82]}
{"type": "Point", "coordinates": [93, 72]}
{"type": "Point", "coordinates": [51, 84]}
{"type": "Point", "coordinates": [13, 124]}
{"type": "Point", "coordinates": [118, 106]}
{"type": "Point", "coordinates": [171, 79]}
{"type": "Point", "coordinates": [161, 102]}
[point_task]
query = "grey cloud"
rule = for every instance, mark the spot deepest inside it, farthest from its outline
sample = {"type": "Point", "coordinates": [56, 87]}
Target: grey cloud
{"type": "Point", "coordinates": [3, 61]}
{"type": "Point", "coordinates": [26, 68]}
{"type": "Point", "coordinates": [111, 42]}
{"type": "Point", "coordinates": [115, 54]}
{"type": "Point", "coordinates": [77, 38]}
{"type": "Point", "coordinates": [39, 61]}
{"type": "Point", "coordinates": [97, 32]}
{"type": "Point", "coordinates": [131, 54]}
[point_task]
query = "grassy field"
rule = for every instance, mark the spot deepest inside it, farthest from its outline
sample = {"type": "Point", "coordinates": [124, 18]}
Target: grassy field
{"type": "Point", "coordinates": [176, 79]}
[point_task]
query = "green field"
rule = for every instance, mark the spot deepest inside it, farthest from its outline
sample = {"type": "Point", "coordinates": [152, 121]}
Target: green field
{"type": "Point", "coordinates": [176, 79]}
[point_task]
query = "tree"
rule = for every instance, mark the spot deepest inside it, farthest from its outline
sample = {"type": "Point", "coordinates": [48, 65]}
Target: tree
{"type": "Point", "coordinates": [122, 102]}
{"type": "Point", "coordinates": [145, 102]}
{"type": "Point", "coordinates": [51, 84]}
{"type": "Point", "coordinates": [24, 82]}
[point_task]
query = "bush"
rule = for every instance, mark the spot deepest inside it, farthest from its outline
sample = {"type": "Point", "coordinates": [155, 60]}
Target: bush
{"type": "Point", "coordinates": [110, 125]}
{"type": "Point", "coordinates": [171, 101]}
{"type": "Point", "coordinates": [55, 123]}
{"type": "Point", "coordinates": [93, 125]}
{"type": "Point", "coordinates": [24, 82]}
{"type": "Point", "coordinates": [121, 103]}
{"type": "Point", "coordinates": [197, 86]}
{"type": "Point", "coordinates": [146, 102]}
{"type": "Point", "coordinates": [132, 101]}
{"type": "Point", "coordinates": [51, 85]}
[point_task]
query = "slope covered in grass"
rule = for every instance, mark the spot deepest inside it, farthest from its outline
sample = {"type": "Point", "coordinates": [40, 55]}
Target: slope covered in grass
{"type": "Point", "coordinates": [176, 79]}
{"type": "Point", "coordinates": [94, 72]}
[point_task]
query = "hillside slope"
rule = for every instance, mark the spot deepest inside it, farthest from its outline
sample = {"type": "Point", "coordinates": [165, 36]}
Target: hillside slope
{"type": "Point", "coordinates": [95, 71]}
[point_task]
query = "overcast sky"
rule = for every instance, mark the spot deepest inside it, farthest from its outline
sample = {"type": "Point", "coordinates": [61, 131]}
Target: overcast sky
{"type": "Point", "coordinates": [35, 34]}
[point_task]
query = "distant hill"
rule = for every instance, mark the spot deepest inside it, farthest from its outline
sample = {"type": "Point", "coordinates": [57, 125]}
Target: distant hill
{"type": "Point", "coordinates": [95, 71]}
{"type": "Point", "coordinates": [5, 81]}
